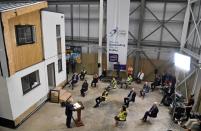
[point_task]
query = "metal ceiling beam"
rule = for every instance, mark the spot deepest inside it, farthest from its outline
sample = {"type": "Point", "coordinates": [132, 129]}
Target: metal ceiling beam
{"type": "Point", "coordinates": [164, 23]}
{"type": "Point", "coordinates": [171, 1]}
{"type": "Point", "coordinates": [148, 43]}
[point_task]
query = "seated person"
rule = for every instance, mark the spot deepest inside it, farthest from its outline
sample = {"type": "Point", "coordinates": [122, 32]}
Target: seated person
{"type": "Point", "coordinates": [140, 77]}
{"type": "Point", "coordinates": [166, 100]}
{"type": "Point", "coordinates": [82, 74]}
{"type": "Point", "coordinates": [74, 80]}
{"type": "Point", "coordinates": [144, 90]}
{"type": "Point", "coordinates": [191, 123]}
{"type": "Point", "coordinates": [113, 83]}
{"type": "Point", "coordinates": [103, 75]}
{"type": "Point", "coordinates": [131, 97]}
{"type": "Point", "coordinates": [164, 78]}
{"type": "Point", "coordinates": [156, 82]}
{"type": "Point", "coordinates": [130, 70]}
{"type": "Point", "coordinates": [121, 116]}
{"type": "Point", "coordinates": [94, 81]}
{"type": "Point", "coordinates": [151, 113]}
{"type": "Point", "coordinates": [189, 106]}
{"type": "Point", "coordinates": [127, 82]}
{"type": "Point", "coordinates": [101, 98]}
{"type": "Point", "coordinates": [84, 88]}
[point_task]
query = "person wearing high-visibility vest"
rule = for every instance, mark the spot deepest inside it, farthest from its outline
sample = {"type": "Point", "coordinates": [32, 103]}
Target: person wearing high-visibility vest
{"type": "Point", "coordinates": [113, 83]}
{"type": "Point", "coordinates": [101, 98]}
{"type": "Point", "coordinates": [121, 116]}
{"type": "Point", "coordinates": [129, 80]}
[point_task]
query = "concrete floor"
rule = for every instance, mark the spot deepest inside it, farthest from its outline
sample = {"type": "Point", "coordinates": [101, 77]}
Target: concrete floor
{"type": "Point", "coordinates": [51, 117]}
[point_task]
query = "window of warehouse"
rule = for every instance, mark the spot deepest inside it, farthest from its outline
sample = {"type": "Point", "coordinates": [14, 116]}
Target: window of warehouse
{"type": "Point", "coordinates": [58, 35]}
{"type": "Point", "coordinates": [25, 34]}
{"type": "Point", "coordinates": [60, 65]}
{"type": "Point", "coordinates": [30, 81]}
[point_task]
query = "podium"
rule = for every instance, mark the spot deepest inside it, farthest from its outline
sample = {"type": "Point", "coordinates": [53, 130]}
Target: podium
{"type": "Point", "coordinates": [78, 121]}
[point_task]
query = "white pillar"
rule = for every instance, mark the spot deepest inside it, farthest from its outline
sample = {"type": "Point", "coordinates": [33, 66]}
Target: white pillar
{"type": "Point", "coordinates": [185, 26]}
{"type": "Point", "coordinates": [100, 36]}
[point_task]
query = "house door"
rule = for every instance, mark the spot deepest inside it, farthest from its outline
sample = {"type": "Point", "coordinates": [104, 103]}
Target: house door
{"type": "Point", "coordinates": [51, 75]}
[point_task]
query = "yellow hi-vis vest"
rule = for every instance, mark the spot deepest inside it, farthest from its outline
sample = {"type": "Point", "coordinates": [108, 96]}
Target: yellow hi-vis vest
{"type": "Point", "coordinates": [105, 94]}
{"type": "Point", "coordinates": [129, 79]}
{"type": "Point", "coordinates": [122, 116]}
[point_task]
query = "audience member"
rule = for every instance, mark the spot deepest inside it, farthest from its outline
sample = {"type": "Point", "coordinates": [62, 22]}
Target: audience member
{"type": "Point", "coordinates": [130, 71]}
{"type": "Point", "coordinates": [84, 88]}
{"type": "Point", "coordinates": [144, 90]}
{"type": "Point", "coordinates": [131, 97]}
{"type": "Point", "coordinates": [189, 106]}
{"type": "Point", "coordinates": [168, 91]}
{"type": "Point", "coordinates": [153, 111]}
{"type": "Point", "coordinates": [156, 82]}
{"type": "Point", "coordinates": [101, 98]}
{"type": "Point", "coordinates": [121, 116]}
{"type": "Point", "coordinates": [129, 80]}
{"type": "Point", "coordinates": [82, 74]}
{"type": "Point", "coordinates": [113, 83]}
{"type": "Point", "coordinates": [140, 77]}
{"type": "Point", "coordinates": [191, 123]}
{"type": "Point", "coordinates": [94, 81]}
{"type": "Point", "coordinates": [74, 80]}
{"type": "Point", "coordinates": [103, 75]}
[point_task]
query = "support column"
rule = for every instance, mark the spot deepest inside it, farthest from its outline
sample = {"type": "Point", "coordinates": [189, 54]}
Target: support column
{"type": "Point", "coordinates": [185, 26]}
{"type": "Point", "coordinates": [100, 37]}
{"type": "Point", "coordinates": [141, 21]}
{"type": "Point", "coordinates": [71, 15]}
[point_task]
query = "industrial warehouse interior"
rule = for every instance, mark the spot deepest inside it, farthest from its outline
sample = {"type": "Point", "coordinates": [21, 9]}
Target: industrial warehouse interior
{"type": "Point", "coordinates": [100, 65]}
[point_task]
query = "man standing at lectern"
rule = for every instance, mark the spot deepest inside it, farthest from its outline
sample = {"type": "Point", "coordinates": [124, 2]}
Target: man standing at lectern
{"type": "Point", "coordinates": [69, 112]}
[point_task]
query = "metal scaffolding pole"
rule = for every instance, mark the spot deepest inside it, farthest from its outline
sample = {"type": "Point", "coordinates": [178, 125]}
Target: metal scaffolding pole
{"type": "Point", "coordinates": [100, 36]}
{"type": "Point", "coordinates": [71, 15]}
{"type": "Point", "coordinates": [88, 29]}
{"type": "Point", "coordinates": [141, 21]}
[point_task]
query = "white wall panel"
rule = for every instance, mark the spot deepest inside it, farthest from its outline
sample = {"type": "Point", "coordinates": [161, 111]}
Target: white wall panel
{"type": "Point", "coordinates": [19, 102]}
{"type": "Point", "coordinates": [49, 22]}
{"type": "Point", "coordinates": [5, 107]}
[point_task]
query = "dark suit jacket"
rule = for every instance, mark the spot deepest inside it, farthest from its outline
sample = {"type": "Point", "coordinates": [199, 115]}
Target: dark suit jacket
{"type": "Point", "coordinates": [85, 86]}
{"type": "Point", "coordinates": [69, 109]}
{"type": "Point", "coordinates": [154, 111]}
{"type": "Point", "coordinates": [133, 93]}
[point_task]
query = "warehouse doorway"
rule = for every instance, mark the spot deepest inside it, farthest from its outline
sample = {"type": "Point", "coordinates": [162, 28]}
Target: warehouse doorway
{"type": "Point", "coordinates": [51, 75]}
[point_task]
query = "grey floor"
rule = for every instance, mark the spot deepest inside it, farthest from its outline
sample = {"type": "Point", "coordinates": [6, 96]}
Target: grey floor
{"type": "Point", "coordinates": [51, 116]}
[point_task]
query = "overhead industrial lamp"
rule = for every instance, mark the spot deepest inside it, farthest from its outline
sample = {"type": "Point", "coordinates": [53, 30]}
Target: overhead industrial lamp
{"type": "Point", "coordinates": [182, 61]}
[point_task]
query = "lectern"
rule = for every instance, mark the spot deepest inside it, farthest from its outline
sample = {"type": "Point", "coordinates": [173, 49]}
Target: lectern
{"type": "Point", "coordinates": [78, 121]}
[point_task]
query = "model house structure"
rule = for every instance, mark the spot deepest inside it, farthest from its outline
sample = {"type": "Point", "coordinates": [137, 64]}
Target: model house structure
{"type": "Point", "coordinates": [32, 58]}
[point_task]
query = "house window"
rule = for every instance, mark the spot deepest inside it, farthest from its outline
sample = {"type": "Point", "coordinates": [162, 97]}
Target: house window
{"type": "Point", "coordinates": [58, 35]}
{"type": "Point", "coordinates": [30, 81]}
{"type": "Point", "coordinates": [60, 65]}
{"type": "Point", "coordinates": [25, 34]}
{"type": "Point", "coordinates": [58, 31]}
